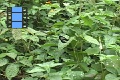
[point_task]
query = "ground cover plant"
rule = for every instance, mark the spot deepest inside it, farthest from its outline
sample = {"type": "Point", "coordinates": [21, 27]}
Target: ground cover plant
{"type": "Point", "coordinates": [65, 40]}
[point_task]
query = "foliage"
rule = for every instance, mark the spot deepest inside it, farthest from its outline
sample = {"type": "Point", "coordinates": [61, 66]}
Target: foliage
{"type": "Point", "coordinates": [92, 51]}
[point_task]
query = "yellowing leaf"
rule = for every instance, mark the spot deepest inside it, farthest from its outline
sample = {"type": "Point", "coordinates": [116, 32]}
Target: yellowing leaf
{"type": "Point", "coordinates": [16, 34]}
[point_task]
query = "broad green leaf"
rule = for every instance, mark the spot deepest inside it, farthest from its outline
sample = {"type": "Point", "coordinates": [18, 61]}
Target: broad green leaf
{"type": "Point", "coordinates": [87, 21]}
{"type": "Point", "coordinates": [11, 71]}
{"type": "Point", "coordinates": [71, 11]}
{"type": "Point", "coordinates": [26, 62]}
{"type": "Point", "coordinates": [30, 58]}
{"type": "Point", "coordinates": [34, 11]}
{"type": "Point", "coordinates": [91, 39]}
{"type": "Point", "coordinates": [109, 1]}
{"type": "Point", "coordinates": [38, 74]}
{"type": "Point", "coordinates": [41, 57]}
{"type": "Point", "coordinates": [58, 24]}
{"type": "Point", "coordinates": [54, 12]}
{"type": "Point", "coordinates": [12, 55]}
{"type": "Point", "coordinates": [91, 74]}
{"type": "Point", "coordinates": [109, 40]}
{"type": "Point", "coordinates": [3, 31]}
{"type": "Point", "coordinates": [84, 66]}
{"type": "Point", "coordinates": [2, 55]}
{"type": "Point", "coordinates": [118, 70]}
{"type": "Point", "coordinates": [3, 62]}
{"type": "Point", "coordinates": [115, 29]}
{"type": "Point", "coordinates": [3, 22]}
{"type": "Point", "coordinates": [72, 20]}
{"type": "Point", "coordinates": [49, 64]}
{"type": "Point", "coordinates": [29, 78]}
{"type": "Point", "coordinates": [39, 33]}
{"type": "Point", "coordinates": [25, 37]}
{"type": "Point", "coordinates": [48, 45]}
{"type": "Point", "coordinates": [34, 38]}
{"type": "Point", "coordinates": [55, 76]}
{"type": "Point", "coordinates": [30, 37]}
{"type": "Point", "coordinates": [90, 51]}
{"type": "Point", "coordinates": [112, 70]}
{"type": "Point", "coordinates": [96, 67]}
{"type": "Point", "coordinates": [36, 69]}
{"type": "Point", "coordinates": [112, 61]}
{"type": "Point", "coordinates": [55, 5]}
{"type": "Point", "coordinates": [63, 45]}
{"type": "Point", "coordinates": [102, 19]}
{"type": "Point", "coordinates": [111, 77]}
{"type": "Point", "coordinates": [32, 31]}
{"type": "Point", "coordinates": [76, 75]}
{"type": "Point", "coordinates": [46, 6]}
{"type": "Point", "coordinates": [109, 13]}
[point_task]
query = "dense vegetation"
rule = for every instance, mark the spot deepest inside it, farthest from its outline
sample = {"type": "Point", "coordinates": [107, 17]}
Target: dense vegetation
{"type": "Point", "coordinates": [65, 40]}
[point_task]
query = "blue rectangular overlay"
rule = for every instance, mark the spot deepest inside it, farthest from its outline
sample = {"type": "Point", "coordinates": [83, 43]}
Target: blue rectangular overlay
{"type": "Point", "coordinates": [16, 24]}
{"type": "Point", "coordinates": [17, 9]}
{"type": "Point", "coordinates": [17, 17]}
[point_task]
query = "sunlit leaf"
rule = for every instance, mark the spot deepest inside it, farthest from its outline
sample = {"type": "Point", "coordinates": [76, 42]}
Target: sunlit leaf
{"type": "Point", "coordinates": [11, 71]}
{"type": "Point", "coordinates": [91, 39]}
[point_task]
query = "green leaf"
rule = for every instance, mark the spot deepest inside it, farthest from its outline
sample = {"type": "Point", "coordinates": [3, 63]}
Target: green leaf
{"type": "Point", "coordinates": [63, 45]}
{"type": "Point", "coordinates": [12, 55]}
{"type": "Point", "coordinates": [39, 33]}
{"type": "Point", "coordinates": [109, 13]}
{"type": "Point", "coordinates": [30, 37]}
{"type": "Point", "coordinates": [32, 31]}
{"type": "Point", "coordinates": [46, 6]}
{"type": "Point", "coordinates": [2, 55]}
{"type": "Point", "coordinates": [84, 67]}
{"type": "Point", "coordinates": [11, 71]}
{"type": "Point", "coordinates": [109, 40]}
{"type": "Point", "coordinates": [26, 62]}
{"type": "Point", "coordinates": [71, 11]}
{"type": "Point", "coordinates": [118, 70]}
{"type": "Point", "coordinates": [112, 61]}
{"type": "Point", "coordinates": [91, 74]}
{"type": "Point", "coordinates": [50, 64]}
{"type": "Point", "coordinates": [102, 19]}
{"type": "Point", "coordinates": [55, 76]}
{"type": "Point", "coordinates": [36, 69]}
{"type": "Point", "coordinates": [3, 62]}
{"type": "Point", "coordinates": [58, 24]}
{"type": "Point", "coordinates": [111, 77]}
{"type": "Point", "coordinates": [54, 12]}
{"type": "Point", "coordinates": [109, 1]}
{"type": "Point", "coordinates": [34, 38]}
{"type": "Point", "coordinates": [91, 39]}
{"type": "Point", "coordinates": [3, 31]}
{"type": "Point", "coordinates": [87, 21]}
{"type": "Point", "coordinates": [3, 22]}
{"type": "Point", "coordinates": [112, 70]}
{"type": "Point", "coordinates": [72, 20]}
{"type": "Point", "coordinates": [29, 78]}
{"type": "Point", "coordinates": [76, 75]}
{"type": "Point", "coordinates": [97, 67]}
{"type": "Point", "coordinates": [46, 45]}
{"type": "Point", "coordinates": [90, 51]}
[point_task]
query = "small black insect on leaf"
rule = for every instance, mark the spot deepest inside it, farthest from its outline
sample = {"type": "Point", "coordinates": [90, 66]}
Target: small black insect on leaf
{"type": "Point", "coordinates": [63, 39]}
